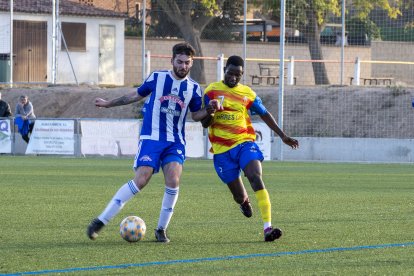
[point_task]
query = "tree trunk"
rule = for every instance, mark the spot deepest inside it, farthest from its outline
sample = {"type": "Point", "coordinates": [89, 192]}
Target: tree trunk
{"type": "Point", "coordinates": [315, 50]}
{"type": "Point", "coordinates": [190, 30]}
{"type": "Point", "coordinates": [312, 32]}
{"type": "Point", "coordinates": [197, 71]}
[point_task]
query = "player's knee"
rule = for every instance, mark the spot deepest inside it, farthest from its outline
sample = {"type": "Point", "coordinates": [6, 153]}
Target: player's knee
{"type": "Point", "coordinates": [255, 179]}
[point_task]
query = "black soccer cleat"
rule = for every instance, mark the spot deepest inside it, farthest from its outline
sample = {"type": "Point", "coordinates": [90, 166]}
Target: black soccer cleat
{"type": "Point", "coordinates": [271, 234]}
{"type": "Point", "coordinates": [246, 209]}
{"type": "Point", "coordinates": [161, 235]}
{"type": "Point", "coordinates": [94, 228]}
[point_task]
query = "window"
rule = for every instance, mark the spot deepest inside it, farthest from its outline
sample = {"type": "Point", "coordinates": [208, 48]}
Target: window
{"type": "Point", "coordinates": [75, 36]}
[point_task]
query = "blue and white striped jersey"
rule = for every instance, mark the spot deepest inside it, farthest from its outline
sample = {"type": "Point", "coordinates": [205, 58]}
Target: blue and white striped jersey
{"type": "Point", "coordinates": [167, 106]}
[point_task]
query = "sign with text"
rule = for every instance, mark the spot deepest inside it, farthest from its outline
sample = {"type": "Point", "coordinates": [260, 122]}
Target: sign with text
{"type": "Point", "coordinates": [52, 137]}
{"type": "Point", "coordinates": [5, 136]}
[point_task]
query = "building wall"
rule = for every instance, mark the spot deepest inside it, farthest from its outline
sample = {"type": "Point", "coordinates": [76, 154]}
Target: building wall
{"type": "Point", "coordinates": [85, 64]}
{"type": "Point", "coordinates": [390, 51]}
{"type": "Point", "coordinates": [123, 6]}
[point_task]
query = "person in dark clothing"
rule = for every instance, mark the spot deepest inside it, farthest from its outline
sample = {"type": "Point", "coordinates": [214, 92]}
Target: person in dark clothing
{"type": "Point", "coordinates": [5, 110]}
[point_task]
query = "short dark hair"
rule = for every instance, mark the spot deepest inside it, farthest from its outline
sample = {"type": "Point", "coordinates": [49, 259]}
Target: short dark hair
{"type": "Point", "coordinates": [235, 60]}
{"type": "Point", "coordinates": [183, 48]}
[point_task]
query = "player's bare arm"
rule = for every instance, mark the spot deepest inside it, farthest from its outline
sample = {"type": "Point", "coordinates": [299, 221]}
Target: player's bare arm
{"type": "Point", "coordinates": [123, 100]}
{"type": "Point", "coordinates": [206, 112]}
{"type": "Point", "coordinates": [271, 122]}
{"type": "Point", "coordinates": [206, 121]}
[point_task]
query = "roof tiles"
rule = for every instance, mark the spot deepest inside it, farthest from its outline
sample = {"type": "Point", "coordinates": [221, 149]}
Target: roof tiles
{"type": "Point", "coordinates": [66, 7]}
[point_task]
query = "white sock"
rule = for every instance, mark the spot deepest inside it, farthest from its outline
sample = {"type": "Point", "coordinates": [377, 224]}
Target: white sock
{"type": "Point", "coordinates": [167, 208]}
{"type": "Point", "coordinates": [125, 193]}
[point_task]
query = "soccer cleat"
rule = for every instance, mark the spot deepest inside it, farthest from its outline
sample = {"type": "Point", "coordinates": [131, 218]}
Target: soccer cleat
{"type": "Point", "coordinates": [271, 234]}
{"type": "Point", "coordinates": [161, 235]}
{"type": "Point", "coordinates": [94, 228]}
{"type": "Point", "coordinates": [246, 209]}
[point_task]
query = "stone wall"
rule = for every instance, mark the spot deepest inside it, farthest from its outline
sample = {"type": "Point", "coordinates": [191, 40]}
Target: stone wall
{"type": "Point", "coordinates": [264, 52]}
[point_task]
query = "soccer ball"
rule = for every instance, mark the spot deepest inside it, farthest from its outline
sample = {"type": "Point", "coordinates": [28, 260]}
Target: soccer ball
{"type": "Point", "coordinates": [132, 229]}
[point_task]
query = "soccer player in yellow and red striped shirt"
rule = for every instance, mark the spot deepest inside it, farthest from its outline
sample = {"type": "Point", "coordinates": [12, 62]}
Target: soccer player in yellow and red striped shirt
{"type": "Point", "coordinates": [233, 141]}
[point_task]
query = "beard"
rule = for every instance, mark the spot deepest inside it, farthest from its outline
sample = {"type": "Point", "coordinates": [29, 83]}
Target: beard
{"type": "Point", "coordinates": [181, 73]}
{"type": "Point", "coordinates": [230, 83]}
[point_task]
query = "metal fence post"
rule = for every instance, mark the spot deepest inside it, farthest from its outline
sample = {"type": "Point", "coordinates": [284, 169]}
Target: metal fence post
{"type": "Point", "coordinates": [220, 67]}
{"type": "Point", "coordinates": [291, 70]}
{"type": "Point", "coordinates": [147, 63]}
{"type": "Point", "coordinates": [357, 73]}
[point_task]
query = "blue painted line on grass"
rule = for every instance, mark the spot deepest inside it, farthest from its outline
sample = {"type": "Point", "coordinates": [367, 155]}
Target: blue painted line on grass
{"type": "Point", "coordinates": [213, 259]}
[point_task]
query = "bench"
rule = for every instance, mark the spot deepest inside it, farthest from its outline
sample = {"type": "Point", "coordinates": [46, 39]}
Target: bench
{"type": "Point", "coordinates": [268, 69]}
{"type": "Point", "coordinates": [374, 81]}
{"type": "Point", "coordinates": [269, 80]}
{"type": "Point", "coordinates": [267, 74]}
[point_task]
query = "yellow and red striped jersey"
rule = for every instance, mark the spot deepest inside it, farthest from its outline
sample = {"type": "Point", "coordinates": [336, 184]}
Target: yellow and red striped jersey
{"type": "Point", "coordinates": [231, 126]}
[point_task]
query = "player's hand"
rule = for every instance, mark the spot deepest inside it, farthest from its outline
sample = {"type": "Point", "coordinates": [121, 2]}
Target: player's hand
{"type": "Point", "coordinates": [99, 102]}
{"type": "Point", "coordinates": [213, 106]}
{"type": "Point", "coordinates": [293, 143]}
{"type": "Point", "coordinates": [216, 105]}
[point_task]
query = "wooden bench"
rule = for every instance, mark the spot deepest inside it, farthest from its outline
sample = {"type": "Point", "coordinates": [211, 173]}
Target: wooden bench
{"type": "Point", "coordinates": [268, 74]}
{"type": "Point", "coordinates": [268, 69]}
{"type": "Point", "coordinates": [269, 80]}
{"type": "Point", "coordinates": [374, 80]}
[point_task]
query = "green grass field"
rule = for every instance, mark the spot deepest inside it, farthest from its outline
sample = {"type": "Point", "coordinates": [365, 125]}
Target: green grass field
{"type": "Point", "coordinates": [331, 215]}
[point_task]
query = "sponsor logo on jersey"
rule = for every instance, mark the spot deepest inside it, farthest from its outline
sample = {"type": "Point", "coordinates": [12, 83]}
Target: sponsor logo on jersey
{"type": "Point", "coordinates": [173, 98]}
{"type": "Point", "coordinates": [170, 111]}
{"type": "Point", "coordinates": [227, 117]}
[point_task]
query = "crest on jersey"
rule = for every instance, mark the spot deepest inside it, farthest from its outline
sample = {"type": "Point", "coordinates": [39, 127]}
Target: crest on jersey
{"type": "Point", "coordinates": [145, 158]}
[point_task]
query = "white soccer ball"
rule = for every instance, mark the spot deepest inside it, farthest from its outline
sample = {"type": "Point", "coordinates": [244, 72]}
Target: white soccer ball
{"type": "Point", "coordinates": [132, 229]}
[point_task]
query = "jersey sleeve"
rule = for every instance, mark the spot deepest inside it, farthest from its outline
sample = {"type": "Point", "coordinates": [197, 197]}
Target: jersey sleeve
{"type": "Point", "coordinates": [148, 86]}
{"type": "Point", "coordinates": [257, 108]}
{"type": "Point", "coordinates": [196, 102]}
{"type": "Point", "coordinates": [206, 100]}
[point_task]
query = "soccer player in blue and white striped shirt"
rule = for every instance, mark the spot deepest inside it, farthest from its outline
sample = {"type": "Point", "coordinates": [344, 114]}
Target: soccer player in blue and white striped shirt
{"type": "Point", "coordinates": [170, 95]}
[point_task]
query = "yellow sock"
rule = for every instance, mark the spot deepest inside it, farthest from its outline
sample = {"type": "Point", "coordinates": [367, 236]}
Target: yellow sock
{"type": "Point", "coordinates": [263, 201]}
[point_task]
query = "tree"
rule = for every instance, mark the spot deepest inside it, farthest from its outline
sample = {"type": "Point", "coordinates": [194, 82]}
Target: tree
{"type": "Point", "coordinates": [190, 18]}
{"type": "Point", "coordinates": [310, 18]}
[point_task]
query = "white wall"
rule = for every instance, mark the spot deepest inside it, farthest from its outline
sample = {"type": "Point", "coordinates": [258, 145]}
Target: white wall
{"type": "Point", "coordinates": [376, 150]}
{"type": "Point", "coordinates": [86, 63]}
{"type": "Point", "coordinates": [349, 150]}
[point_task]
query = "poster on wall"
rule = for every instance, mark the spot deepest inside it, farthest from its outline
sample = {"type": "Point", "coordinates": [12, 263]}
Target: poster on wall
{"type": "Point", "coordinates": [110, 137]}
{"type": "Point", "coordinates": [5, 136]}
{"type": "Point", "coordinates": [263, 140]}
{"type": "Point", "coordinates": [52, 137]}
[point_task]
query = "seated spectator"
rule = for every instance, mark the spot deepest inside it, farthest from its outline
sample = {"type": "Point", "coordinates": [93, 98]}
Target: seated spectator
{"type": "Point", "coordinates": [25, 117]}
{"type": "Point", "coordinates": [5, 110]}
